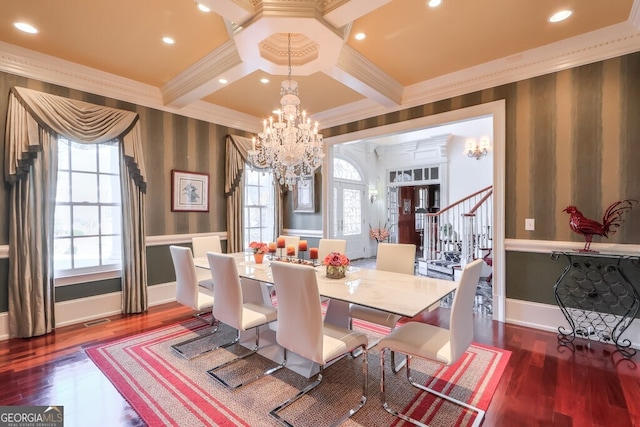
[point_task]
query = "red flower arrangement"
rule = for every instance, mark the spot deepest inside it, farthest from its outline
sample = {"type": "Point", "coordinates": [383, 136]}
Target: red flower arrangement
{"type": "Point", "coordinates": [337, 264]}
{"type": "Point", "coordinates": [259, 247]}
{"type": "Point", "coordinates": [336, 259]}
{"type": "Point", "coordinates": [381, 234]}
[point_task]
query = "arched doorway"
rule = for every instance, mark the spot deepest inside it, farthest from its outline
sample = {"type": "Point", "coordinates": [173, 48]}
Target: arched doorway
{"type": "Point", "coordinates": [347, 212]}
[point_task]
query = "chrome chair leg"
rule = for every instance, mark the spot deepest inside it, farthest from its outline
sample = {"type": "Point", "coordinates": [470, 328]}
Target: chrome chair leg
{"type": "Point", "coordinates": [213, 322]}
{"type": "Point", "coordinates": [200, 316]}
{"type": "Point", "coordinates": [308, 388]}
{"type": "Point", "coordinates": [251, 352]}
{"type": "Point", "coordinates": [395, 367]}
{"type": "Point", "coordinates": [476, 422]}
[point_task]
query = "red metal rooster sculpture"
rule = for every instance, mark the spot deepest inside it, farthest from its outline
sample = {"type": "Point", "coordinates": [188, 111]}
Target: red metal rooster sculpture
{"type": "Point", "coordinates": [611, 220]}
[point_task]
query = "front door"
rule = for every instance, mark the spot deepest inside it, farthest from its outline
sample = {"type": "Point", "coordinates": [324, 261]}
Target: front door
{"type": "Point", "coordinates": [347, 218]}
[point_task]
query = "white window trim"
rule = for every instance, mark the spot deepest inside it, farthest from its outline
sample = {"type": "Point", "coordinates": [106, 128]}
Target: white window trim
{"type": "Point", "coordinates": [111, 272]}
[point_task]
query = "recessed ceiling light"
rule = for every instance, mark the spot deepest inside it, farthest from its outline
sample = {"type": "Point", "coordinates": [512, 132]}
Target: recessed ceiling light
{"type": "Point", "coordinates": [222, 81]}
{"type": "Point", "coordinates": [560, 16]}
{"type": "Point", "coordinates": [168, 40]}
{"type": "Point", "coordinates": [360, 36]}
{"type": "Point", "coordinates": [203, 8]}
{"type": "Point", "coordinates": [264, 80]}
{"type": "Point", "coordinates": [434, 3]}
{"type": "Point", "coordinates": [27, 28]}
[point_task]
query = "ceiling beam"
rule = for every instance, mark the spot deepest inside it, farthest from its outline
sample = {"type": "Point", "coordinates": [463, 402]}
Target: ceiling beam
{"type": "Point", "coordinates": [201, 79]}
{"type": "Point", "coordinates": [358, 73]}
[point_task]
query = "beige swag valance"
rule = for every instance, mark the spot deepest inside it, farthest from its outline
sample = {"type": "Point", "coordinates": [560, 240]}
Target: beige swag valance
{"type": "Point", "coordinates": [77, 120]}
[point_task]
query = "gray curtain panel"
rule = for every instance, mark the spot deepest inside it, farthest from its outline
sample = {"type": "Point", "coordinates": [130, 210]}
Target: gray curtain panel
{"type": "Point", "coordinates": [237, 153]}
{"type": "Point", "coordinates": [34, 122]}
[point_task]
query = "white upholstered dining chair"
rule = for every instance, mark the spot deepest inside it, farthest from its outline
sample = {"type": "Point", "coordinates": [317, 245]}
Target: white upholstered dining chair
{"type": "Point", "coordinates": [204, 244]}
{"type": "Point", "coordinates": [445, 346]}
{"type": "Point", "coordinates": [301, 328]}
{"type": "Point", "coordinates": [326, 246]}
{"type": "Point", "coordinates": [192, 291]}
{"type": "Point", "coordinates": [397, 258]}
{"type": "Point", "coordinates": [229, 308]}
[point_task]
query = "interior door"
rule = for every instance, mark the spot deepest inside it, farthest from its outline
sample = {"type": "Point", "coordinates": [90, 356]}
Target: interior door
{"type": "Point", "coordinates": [347, 217]}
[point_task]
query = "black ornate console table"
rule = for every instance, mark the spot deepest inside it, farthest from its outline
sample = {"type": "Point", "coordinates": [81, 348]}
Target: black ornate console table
{"type": "Point", "coordinates": [597, 298]}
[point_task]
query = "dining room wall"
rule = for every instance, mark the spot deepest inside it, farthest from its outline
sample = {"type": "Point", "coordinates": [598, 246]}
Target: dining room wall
{"type": "Point", "coordinates": [170, 142]}
{"type": "Point", "coordinates": [572, 138]}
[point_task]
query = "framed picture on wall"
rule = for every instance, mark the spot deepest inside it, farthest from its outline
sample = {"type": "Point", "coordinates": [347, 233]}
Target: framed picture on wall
{"type": "Point", "coordinates": [189, 191]}
{"type": "Point", "coordinates": [303, 197]}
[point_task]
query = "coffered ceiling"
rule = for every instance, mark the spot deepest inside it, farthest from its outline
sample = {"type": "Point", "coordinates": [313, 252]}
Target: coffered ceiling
{"type": "Point", "coordinates": [412, 53]}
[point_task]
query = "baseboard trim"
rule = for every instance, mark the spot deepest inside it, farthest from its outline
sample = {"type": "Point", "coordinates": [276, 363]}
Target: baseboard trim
{"type": "Point", "coordinates": [86, 309]}
{"type": "Point", "coordinates": [548, 317]}
{"type": "Point", "coordinates": [534, 315]}
{"type": "Point", "coordinates": [4, 326]}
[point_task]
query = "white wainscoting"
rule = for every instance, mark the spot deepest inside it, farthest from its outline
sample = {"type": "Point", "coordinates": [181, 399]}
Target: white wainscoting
{"type": "Point", "coordinates": [525, 313]}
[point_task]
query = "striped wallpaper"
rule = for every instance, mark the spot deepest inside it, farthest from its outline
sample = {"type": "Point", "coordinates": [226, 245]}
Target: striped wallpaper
{"type": "Point", "coordinates": [572, 138]}
{"type": "Point", "coordinates": [170, 142]}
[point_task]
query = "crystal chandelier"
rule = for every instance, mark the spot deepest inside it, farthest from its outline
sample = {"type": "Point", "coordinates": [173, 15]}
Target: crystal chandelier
{"type": "Point", "coordinates": [290, 146]}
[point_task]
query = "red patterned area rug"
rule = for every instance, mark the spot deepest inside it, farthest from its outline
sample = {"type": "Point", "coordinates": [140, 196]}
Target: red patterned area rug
{"type": "Point", "coordinates": [166, 389]}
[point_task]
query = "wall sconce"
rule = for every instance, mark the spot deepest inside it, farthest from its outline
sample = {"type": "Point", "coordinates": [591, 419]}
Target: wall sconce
{"type": "Point", "coordinates": [373, 194]}
{"type": "Point", "coordinates": [477, 150]}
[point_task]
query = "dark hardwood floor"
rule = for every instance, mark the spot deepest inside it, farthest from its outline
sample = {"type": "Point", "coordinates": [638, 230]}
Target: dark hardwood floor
{"type": "Point", "coordinates": [543, 385]}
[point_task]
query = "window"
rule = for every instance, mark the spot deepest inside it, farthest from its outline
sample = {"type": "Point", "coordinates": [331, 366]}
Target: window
{"type": "Point", "coordinates": [342, 169]}
{"type": "Point", "coordinates": [88, 215]}
{"type": "Point", "coordinates": [421, 174]}
{"type": "Point", "coordinates": [259, 210]}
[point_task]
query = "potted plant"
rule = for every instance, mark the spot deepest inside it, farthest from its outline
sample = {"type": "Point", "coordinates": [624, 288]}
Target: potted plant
{"type": "Point", "coordinates": [259, 249]}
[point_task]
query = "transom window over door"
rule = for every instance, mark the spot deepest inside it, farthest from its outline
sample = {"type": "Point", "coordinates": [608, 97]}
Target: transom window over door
{"type": "Point", "coordinates": [88, 208]}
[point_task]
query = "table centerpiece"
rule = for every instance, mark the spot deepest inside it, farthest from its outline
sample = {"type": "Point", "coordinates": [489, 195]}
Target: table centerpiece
{"type": "Point", "coordinates": [337, 264]}
{"type": "Point", "coordinates": [259, 249]}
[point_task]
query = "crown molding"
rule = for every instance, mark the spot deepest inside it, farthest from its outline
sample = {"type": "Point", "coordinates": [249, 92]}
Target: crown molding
{"type": "Point", "coordinates": [37, 66]}
{"type": "Point", "coordinates": [348, 113]}
{"type": "Point", "coordinates": [613, 41]}
{"type": "Point", "coordinates": [216, 114]}
{"type": "Point", "coordinates": [609, 42]}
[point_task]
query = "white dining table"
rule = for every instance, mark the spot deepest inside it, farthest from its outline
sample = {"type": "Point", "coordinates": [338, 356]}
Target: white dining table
{"type": "Point", "coordinates": [403, 294]}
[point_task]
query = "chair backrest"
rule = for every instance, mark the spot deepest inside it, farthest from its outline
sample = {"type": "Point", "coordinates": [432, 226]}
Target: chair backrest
{"type": "Point", "coordinates": [186, 278]}
{"type": "Point", "coordinates": [300, 326]}
{"type": "Point", "coordinates": [396, 257]}
{"type": "Point", "coordinates": [326, 246]}
{"type": "Point", "coordinates": [202, 245]}
{"type": "Point", "coordinates": [461, 324]}
{"type": "Point", "coordinates": [227, 291]}
{"type": "Point", "coordinates": [292, 241]}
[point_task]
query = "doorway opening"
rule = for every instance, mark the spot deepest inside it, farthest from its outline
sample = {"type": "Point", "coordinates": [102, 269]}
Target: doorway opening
{"type": "Point", "coordinates": [496, 111]}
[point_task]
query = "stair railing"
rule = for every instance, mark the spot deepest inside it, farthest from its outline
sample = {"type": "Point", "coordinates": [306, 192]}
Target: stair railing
{"type": "Point", "coordinates": [463, 226]}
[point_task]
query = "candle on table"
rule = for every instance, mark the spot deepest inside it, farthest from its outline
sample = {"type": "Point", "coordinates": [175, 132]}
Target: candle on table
{"type": "Point", "coordinates": [313, 253]}
{"type": "Point", "coordinates": [272, 247]}
{"type": "Point", "coordinates": [302, 245]}
{"type": "Point", "coordinates": [281, 243]}
{"type": "Point", "coordinates": [291, 250]}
